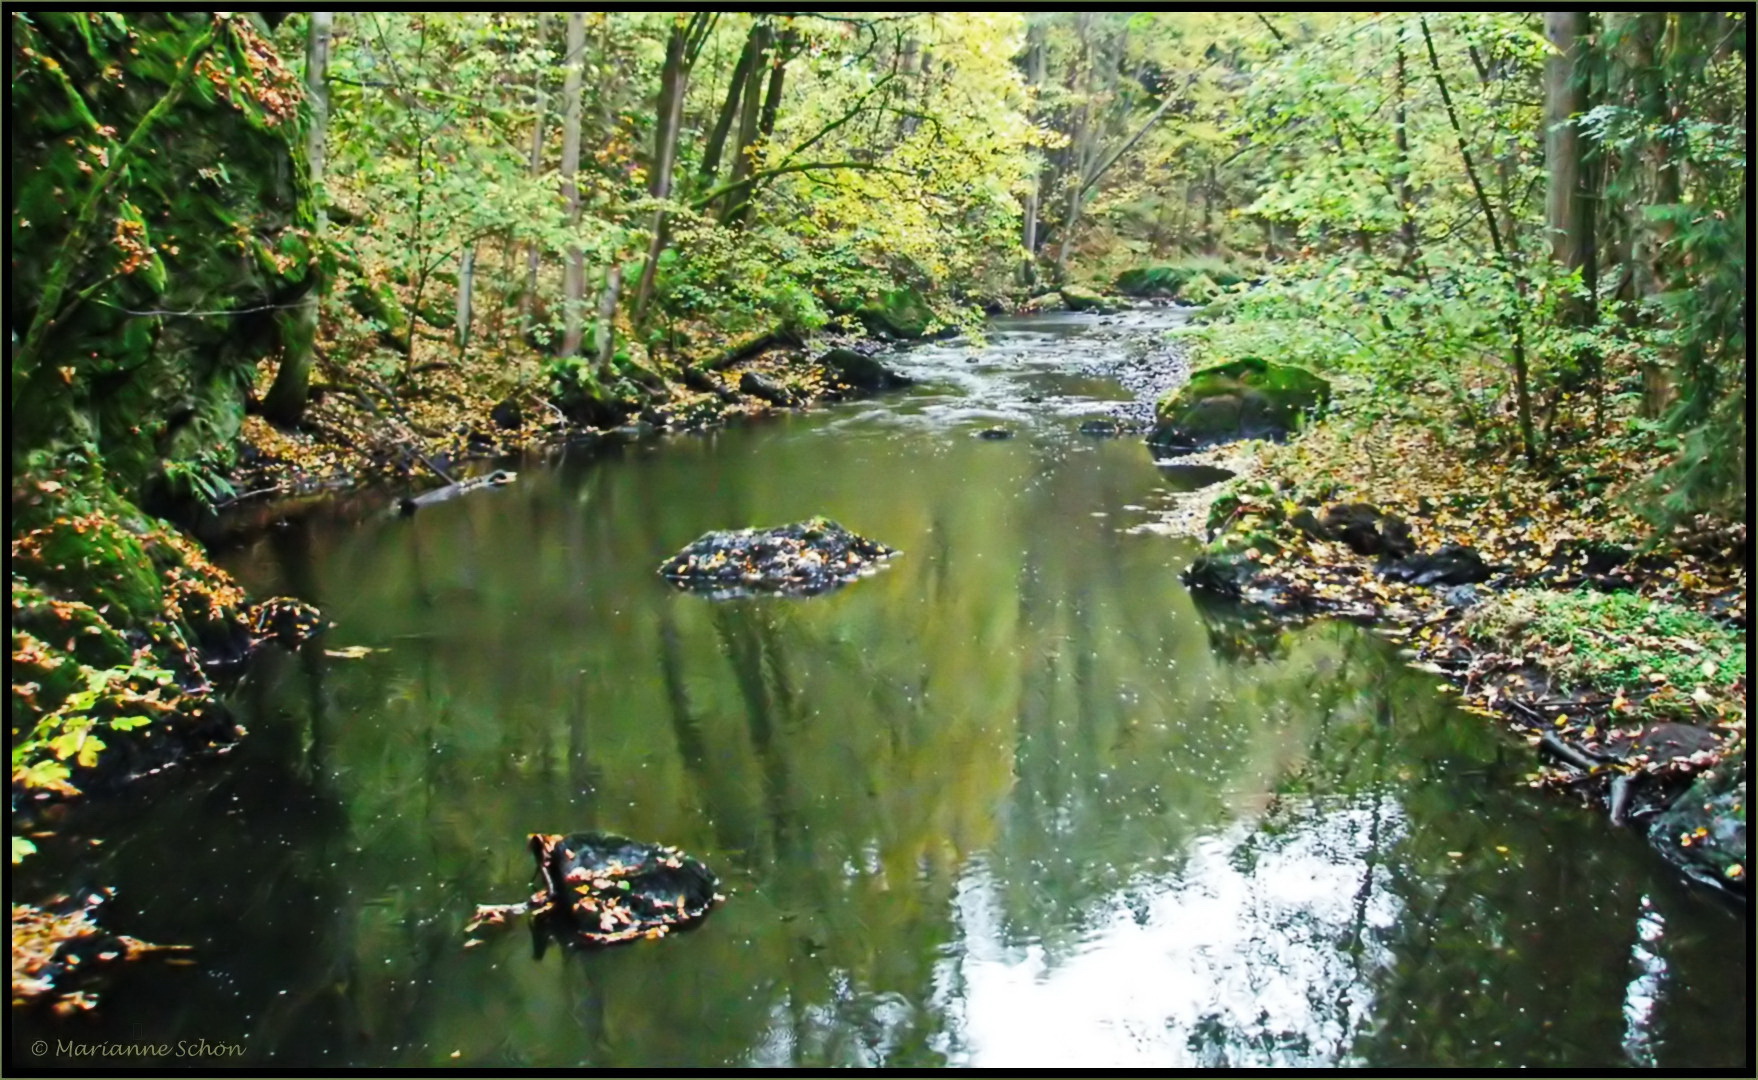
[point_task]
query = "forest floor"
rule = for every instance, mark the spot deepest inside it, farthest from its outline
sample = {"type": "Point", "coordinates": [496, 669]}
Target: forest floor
{"type": "Point", "coordinates": [457, 418]}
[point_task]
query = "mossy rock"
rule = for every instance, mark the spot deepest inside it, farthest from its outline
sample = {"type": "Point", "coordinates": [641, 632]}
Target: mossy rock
{"type": "Point", "coordinates": [861, 371]}
{"type": "Point", "coordinates": [1152, 281]}
{"type": "Point", "coordinates": [899, 313]}
{"type": "Point", "coordinates": [1199, 290]}
{"type": "Point", "coordinates": [1082, 299]}
{"type": "Point", "coordinates": [1245, 398]}
{"type": "Point", "coordinates": [1703, 833]}
{"type": "Point", "coordinates": [1178, 281]}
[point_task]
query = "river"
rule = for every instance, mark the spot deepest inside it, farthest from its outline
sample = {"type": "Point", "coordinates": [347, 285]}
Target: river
{"type": "Point", "coordinates": [1016, 800]}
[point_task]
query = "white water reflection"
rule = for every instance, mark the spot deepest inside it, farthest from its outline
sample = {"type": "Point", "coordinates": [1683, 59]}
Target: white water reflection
{"type": "Point", "coordinates": [1646, 986]}
{"type": "Point", "coordinates": [1260, 951]}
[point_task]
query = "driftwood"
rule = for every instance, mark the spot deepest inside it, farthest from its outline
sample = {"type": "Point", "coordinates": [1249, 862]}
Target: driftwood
{"type": "Point", "coordinates": [411, 503]}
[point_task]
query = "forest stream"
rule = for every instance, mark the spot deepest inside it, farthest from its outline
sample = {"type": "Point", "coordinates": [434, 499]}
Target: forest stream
{"type": "Point", "coordinates": [1018, 799]}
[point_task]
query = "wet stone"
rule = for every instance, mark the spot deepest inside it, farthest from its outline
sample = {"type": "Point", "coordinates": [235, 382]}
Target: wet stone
{"type": "Point", "coordinates": [605, 890]}
{"type": "Point", "coordinates": [802, 559]}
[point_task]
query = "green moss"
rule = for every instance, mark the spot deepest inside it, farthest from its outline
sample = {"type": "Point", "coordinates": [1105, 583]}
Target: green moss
{"type": "Point", "coordinates": [1176, 279]}
{"type": "Point", "coordinates": [1245, 397]}
{"type": "Point", "coordinates": [1079, 299]}
{"type": "Point", "coordinates": [209, 214]}
{"type": "Point", "coordinates": [1674, 657]}
{"type": "Point", "coordinates": [902, 313]}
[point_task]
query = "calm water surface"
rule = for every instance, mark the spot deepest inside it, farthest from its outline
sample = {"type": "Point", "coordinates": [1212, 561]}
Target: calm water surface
{"type": "Point", "coordinates": [1017, 800]}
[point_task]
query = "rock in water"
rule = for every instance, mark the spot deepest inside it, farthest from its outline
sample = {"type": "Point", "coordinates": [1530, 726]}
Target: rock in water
{"type": "Point", "coordinates": [604, 890]}
{"type": "Point", "coordinates": [802, 559]}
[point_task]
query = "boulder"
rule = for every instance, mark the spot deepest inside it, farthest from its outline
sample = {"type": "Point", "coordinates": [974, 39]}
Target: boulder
{"type": "Point", "coordinates": [767, 389]}
{"type": "Point", "coordinates": [899, 313]}
{"type": "Point", "coordinates": [1245, 398]}
{"type": "Point", "coordinates": [1083, 299]}
{"type": "Point", "coordinates": [1050, 301]}
{"type": "Point", "coordinates": [1703, 832]}
{"type": "Point", "coordinates": [1367, 530]}
{"type": "Point", "coordinates": [862, 371]}
{"type": "Point", "coordinates": [1449, 564]}
{"type": "Point", "coordinates": [607, 890]}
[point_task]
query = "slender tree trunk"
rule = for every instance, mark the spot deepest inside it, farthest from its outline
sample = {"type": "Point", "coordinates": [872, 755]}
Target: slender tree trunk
{"type": "Point", "coordinates": [574, 288]}
{"type": "Point", "coordinates": [729, 109]}
{"type": "Point", "coordinates": [1568, 205]}
{"type": "Point", "coordinates": [1080, 146]}
{"type": "Point", "coordinates": [1028, 268]}
{"type": "Point", "coordinates": [772, 96]}
{"type": "Point", "coordinates": [528, 298]}
{"type": "Point", "coordinates": [1407, 229]}
{"type": "Point", "coordinates": [1513, 319]}
{"type": "Point", "coordinates": [665, 142]}
{"type": "Point", "coordinates": [750, 110]}
{"type": "Point", "coordinates": [284, 404]}
{"type": "Point", "coordinates": [607, 321]}
{"type": "Point", "coordinates": [466, 284]}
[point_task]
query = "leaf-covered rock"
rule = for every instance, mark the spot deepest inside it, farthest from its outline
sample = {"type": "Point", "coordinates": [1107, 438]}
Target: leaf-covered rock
{"type": "Point", "coordinates": [801, 559]}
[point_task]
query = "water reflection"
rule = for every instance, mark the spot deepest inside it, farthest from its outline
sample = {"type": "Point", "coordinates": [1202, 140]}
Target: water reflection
{"type": "Point", "coordinates": [1259, 952]}
{"type": "Point", "coordinates": [1017, 795]}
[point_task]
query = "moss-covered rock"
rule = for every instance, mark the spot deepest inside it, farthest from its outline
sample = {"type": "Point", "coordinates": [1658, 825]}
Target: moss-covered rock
{"type": "Point", "coordinates": [861, 371]}
{"type": "Point", "coordinates": [1245, 398]}
{"type": "Point", "coordinates": [157, 168]}
{"type": "Point", "coordinates": [1173, 281]}
{"type": "Point", "coordinates": [1082, 299]}
{"type": "Point", "coordinates": [1704, 831]}
{"type": "Point", "coordinates": [899, 313]}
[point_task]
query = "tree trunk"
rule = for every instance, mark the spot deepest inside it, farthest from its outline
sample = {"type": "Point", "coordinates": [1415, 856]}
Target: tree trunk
{"type": "Point", "coordinates": [607, 321]}
{"type": "Point", "coordinates": [574, 288]}
{"type": "Point", "coordinates": [665, 144]}
{"type": "Point", "coordinates": [1568, 203]}
{"type": "Point", "coordinates": [772, 96]}
{"type": "Point", "coordinates": [1080, 147]}
{"type": "Point", "coordinates": [1028, 269]}
{"type": "Point", "coordinates": [749, 112]}
{"type": "Point", "coordinates": [728, 110]}
{"type": "Point", "coordinates": [466, 283]}
{"type": "Point", "coordinates": [1407, 229]}
{"type": "Point", "coordinates": [528, 298]}
{"type": "Point", "coordinates": [285, 403]}
{"type": "Point", "coordinates": [1513, 319]}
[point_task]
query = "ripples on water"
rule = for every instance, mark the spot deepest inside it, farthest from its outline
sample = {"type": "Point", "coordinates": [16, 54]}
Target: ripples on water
{"type": "Point", "coordinates": [1017, 801]}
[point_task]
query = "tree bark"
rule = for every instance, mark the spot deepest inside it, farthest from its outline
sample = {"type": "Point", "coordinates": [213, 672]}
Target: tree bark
{"type": "Point", "coordinates": [284, 405]}
{"type": "Point", "coordinates": [728, 110]}
{"type": "Point", "coordinates": [750, 109]}
{"type": "Point", "coordinates": [1034, 65]}
{"type": "Point", "coordinates": [574, 288]}
{"type": "Point", "coordinates": [466, 284]}
{"type": "Point", "coordinates": [528, 298]}
{"type": "Point", "coordinates": [665, 143]}
{"type": "Point", "coordinates": [1568, 205]}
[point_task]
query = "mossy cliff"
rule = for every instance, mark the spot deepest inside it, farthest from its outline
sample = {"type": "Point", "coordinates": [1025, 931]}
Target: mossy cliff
{"type": "Point", "coordinates": [161, 244]}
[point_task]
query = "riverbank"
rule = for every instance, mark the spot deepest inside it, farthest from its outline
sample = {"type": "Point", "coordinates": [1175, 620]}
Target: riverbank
{"type": "Point", "coordinates": [1618, 654]}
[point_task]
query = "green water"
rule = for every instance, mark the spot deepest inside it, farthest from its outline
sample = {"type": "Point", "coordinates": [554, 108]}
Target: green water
{"type": "Point", "coordinates": [1016, 800]}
